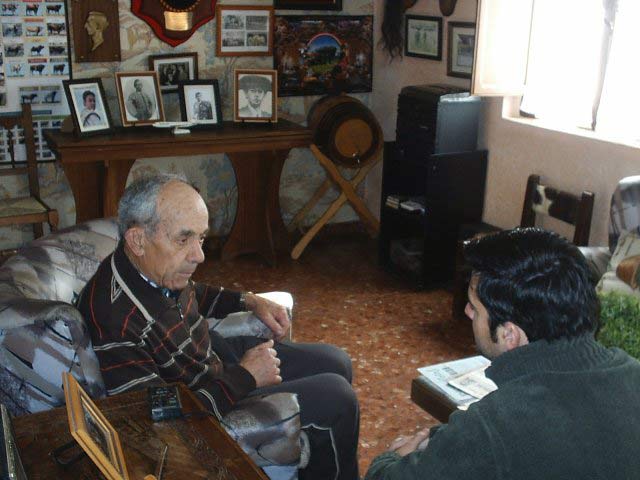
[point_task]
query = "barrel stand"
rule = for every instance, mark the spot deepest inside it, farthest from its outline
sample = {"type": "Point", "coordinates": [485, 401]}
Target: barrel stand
{"type": "Point", "coordinates": [348, 194]}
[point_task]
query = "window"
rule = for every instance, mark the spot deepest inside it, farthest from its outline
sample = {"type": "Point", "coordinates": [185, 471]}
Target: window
{"type": "Point", "coordinates": [572, 61]}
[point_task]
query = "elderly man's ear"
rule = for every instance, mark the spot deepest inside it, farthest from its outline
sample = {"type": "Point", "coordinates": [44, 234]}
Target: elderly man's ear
{"type": "Point", "coordinates": [135, 239]}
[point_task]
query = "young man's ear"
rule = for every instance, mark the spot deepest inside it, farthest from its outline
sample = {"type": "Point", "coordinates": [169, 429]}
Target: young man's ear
{"type": "Point", "coordinates": [135, 239]}
{"type": "Point", "coordinates": [511, 336]}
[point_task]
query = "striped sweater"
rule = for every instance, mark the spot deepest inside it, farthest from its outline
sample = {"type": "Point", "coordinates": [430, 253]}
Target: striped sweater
{"type": "Point", "coordinates": [142, 338]}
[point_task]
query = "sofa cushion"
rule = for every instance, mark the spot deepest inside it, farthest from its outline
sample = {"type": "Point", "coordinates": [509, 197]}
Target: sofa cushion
{"type": "Point", "coordinates": [628, 246]}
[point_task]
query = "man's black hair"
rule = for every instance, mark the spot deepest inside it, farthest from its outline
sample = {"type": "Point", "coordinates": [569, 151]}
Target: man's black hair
{"type": "Point", "coordinates": [86, 93]}
{"type": "Point", "coordinates": [535, 279]}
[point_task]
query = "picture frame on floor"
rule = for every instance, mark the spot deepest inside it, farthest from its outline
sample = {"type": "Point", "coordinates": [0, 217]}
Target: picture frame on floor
{"type": "Point", "coordinates": [88, 106]}
{"type": "Point", "coordinates": [139, 98]}
{"type": "Point", "coordinates": [200, 102]}
{"type": "Point", "coordinates": [423, 37]}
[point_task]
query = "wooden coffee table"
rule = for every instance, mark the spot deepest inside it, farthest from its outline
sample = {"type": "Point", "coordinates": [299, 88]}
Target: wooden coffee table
{"type": "Point", "coordinates": [431, 400]}
{"type": "Point", "coordinates": [198, 447]}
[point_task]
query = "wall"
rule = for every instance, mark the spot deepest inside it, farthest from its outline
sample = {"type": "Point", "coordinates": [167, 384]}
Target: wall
{"type": "Point", "coordinates": [213, 174]}
{"type": "Point", "coordinates": [566, 161]}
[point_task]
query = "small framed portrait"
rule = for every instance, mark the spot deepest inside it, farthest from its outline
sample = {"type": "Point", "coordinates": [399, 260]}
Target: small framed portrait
{"type": "Point", "coordinates": [139, 98]}
{"type": "Point", "coordinates": [200, 102]}
{"type": "Point", "coordinates": [88, 106]}
{"type": "Point", "coordinates": [255, 95]}
{"type": "Point", "coordinates": [244, 30]}
{"type": "Point", "coordinates": [308, 4]}
{"type": "Point", "coordinates": [173, 69]}
{"type": "Point", "coordinates": [462, 37]}
{"type": "Point", "coordinates": [92, 431]}
{"type": "Point", "coordinates": [423, 37]}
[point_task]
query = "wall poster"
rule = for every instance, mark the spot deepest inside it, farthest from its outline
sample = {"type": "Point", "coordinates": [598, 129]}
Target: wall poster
{"type": "Point", "coordinates": [34, 59]}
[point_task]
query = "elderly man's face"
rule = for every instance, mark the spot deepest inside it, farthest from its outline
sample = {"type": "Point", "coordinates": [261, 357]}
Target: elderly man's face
{"type": "Point", "coordinates": [171, 254]}
{"type": "Point", "coordinates": [255, 96]}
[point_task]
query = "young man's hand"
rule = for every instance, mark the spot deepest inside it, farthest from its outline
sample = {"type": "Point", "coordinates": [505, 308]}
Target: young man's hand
{"type": "Point", "coordinates": [405, 445]}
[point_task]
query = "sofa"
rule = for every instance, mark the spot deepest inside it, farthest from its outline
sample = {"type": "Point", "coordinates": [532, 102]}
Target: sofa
{"type": "Point", "coordinates": [43, 335]}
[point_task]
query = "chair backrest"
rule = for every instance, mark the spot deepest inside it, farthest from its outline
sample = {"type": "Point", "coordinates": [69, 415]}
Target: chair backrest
{"type": "Point", "coordinates": [17, 128]}
{"type": "Point", "coordinates": [624, 213]}
{"type": "Point", "coordinates": [567, 207]}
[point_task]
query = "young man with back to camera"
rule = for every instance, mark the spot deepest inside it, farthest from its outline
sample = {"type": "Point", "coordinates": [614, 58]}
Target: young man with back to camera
{"type": "Point", "coordinates": [566, 406]}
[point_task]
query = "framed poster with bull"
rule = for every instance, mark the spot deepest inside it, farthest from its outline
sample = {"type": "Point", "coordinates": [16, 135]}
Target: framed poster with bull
{"type": "Point", "coordinates": [321, 54]}
{"type": "Point", "coordinates": [34, 61]}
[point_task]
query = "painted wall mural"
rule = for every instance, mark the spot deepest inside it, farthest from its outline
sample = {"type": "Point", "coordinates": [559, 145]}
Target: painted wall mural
{"type": "Point", "coordinates": [213, 174]}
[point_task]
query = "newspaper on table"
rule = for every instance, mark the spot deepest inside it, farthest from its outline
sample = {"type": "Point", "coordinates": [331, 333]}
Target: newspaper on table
{"type": "Point", "coordinates": [461, 381]}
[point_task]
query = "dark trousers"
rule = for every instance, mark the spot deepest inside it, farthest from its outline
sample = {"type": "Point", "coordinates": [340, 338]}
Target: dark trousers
{"type": "Point", "coordinates": [320, 375]}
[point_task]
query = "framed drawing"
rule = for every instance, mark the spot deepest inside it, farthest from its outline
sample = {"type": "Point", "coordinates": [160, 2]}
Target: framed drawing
{"type": "Point", "coordinates": [255, 95]}
{"type": "Point", "coordinates": [308, 4]}
{"type": "Point", "coordinates": [423, 37]}
{"type": "Point", "coordinates": [244, 30]}
{"type": "Point", "coordinates": [96, 29]}
{"type": "Point", "coordinates": [320, 54]}
{"type": "Point", "coordinates": [92, 431]}
{"type": "Point", "coordinates": [174, 68]}
{"type": "Point", "coordinates": [200, 102]}
{"type": "Point", "coordinates": [88, 106]}
{"type": "Point", "coordinates": [139, 98]}
{"type": "Point", "coordinates": [462, 36]}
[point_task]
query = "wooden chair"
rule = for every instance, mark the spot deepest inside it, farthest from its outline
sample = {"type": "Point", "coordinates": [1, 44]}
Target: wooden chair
{"type": "Point", "coordinates": [539, 199]}
{"type": "Point", "coordinates": [18, 130]}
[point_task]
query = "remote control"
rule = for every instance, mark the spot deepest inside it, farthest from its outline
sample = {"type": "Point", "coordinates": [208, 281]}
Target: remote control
{"type": "Point", "coordinates": [164, 403]}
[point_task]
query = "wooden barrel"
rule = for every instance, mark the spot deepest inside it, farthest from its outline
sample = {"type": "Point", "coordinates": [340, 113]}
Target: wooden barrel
{"type": "Point", "coordinates": [345, 130]}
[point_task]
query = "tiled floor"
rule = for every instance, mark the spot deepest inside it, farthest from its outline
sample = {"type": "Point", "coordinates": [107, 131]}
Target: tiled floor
{"type": "Point", "coordinates": [388, 327]}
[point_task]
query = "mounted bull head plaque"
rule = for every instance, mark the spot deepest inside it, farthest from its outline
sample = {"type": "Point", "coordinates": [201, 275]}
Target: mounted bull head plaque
{"type": "Point", "coordinates": [174, 21]}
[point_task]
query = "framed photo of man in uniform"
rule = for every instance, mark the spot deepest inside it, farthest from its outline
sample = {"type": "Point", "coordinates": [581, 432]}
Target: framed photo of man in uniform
{"type": "Point", "coordinates": [139, 98]}
{"type": "Point", "coordinates": [200, 102]}
{"type": "Point", "coordinates": [89, 110]}
{"type": "Point", "coordinates": [255, 95]}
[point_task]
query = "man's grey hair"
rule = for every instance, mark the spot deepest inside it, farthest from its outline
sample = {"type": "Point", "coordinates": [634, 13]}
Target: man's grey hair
{"type": "Point", "coordinates": [137, 207]}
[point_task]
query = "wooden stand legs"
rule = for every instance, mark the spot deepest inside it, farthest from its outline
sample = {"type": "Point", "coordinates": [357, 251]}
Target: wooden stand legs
{"type": "Point", "coordinates": [348, 194]}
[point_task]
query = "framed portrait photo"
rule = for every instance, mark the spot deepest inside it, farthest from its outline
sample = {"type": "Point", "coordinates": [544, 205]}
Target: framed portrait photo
{"type": "Point", "coordinates": [92, 431]}
{"type": "Point", "coordinates": [88, 106]}
{"type": "Point", "coordinates": [173, 69]}
{"type": "Point", "coordinates": [462, 40]}
{"type": "Point", "coordinates": [139, 98]}
{"type": "Point", "coordinates": [244, 30]}
{"type": "Point", "coordinates": [255, 95]}
{"type": "Point", "coordinates": [423, 37]}
{"type": "Point", "coordinates": [200, 102]}
{"type": "Point", "coordinates": [308, 4]}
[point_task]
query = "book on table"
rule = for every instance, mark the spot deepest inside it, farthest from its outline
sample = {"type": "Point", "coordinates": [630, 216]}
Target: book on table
{"type": "Point", "coordinates": [461, 381]}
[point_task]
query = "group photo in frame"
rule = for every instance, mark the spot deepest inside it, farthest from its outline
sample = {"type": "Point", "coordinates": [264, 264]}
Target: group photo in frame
{"type": "Point", "coordinates": [139, 98]}
{"type": "Point", "coordinates": [462, 41]}
{"type": "Point", "coordinates": [423, 37]}
{"type": "Point", "coordinates": [174, 68]}
{"type": "Point", "coordinates": [255, 95]}
{"type": "Point", "coordinates": [321, 54]}
{"type": "Point", "coordinates": [244, 30]}
{"type": "Point", "coordinates": [92, 431]}
{"type": "Point", "coordinates": [200, 102]}
{"type": "Point", "coordinates": [308, 4]}
{"type": "Point", "coordinates": [88, 106]}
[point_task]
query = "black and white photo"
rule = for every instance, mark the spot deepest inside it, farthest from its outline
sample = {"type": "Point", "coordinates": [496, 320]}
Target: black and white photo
{"type": "Point", "coordinates": [173, 69]}
{"type": "Point", "coordinates": [200, 102]}
{"type": "Point", "coordinates": [255, 95]}
{"type": "Point", "coordinates": [244, 30]}
{"type": "Point", "coordinates": [462, 37]}
{"type": "Point", "coordinates": [87, 103]}
{"type": "Point", "coordinates": [139, 98]}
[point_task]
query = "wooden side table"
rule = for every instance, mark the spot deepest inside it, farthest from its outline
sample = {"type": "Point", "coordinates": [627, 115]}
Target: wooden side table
{"type": "Point", "coordinates": [199, 448]}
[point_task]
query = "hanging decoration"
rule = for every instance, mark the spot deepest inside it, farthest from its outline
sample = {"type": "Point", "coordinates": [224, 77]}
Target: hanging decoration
{"type": "Point", "coordinates": [391, 40]}
{"type": "Point", "coordinates": [447, 7]}
{"type": "Point", "coordinates": [174, 21]}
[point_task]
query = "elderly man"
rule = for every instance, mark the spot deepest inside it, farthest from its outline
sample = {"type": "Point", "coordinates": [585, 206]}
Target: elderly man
{"type": "Point", "coordinates": [255, 87]}
{"type": "Point", "coordinates": [147, 322]}
{"type": "Point", "coordinates": [565, 408]}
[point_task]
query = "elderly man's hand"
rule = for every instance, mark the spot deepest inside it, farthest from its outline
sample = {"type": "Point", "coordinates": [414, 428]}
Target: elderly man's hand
{"type": "Point", "coordinates": [273, 315]}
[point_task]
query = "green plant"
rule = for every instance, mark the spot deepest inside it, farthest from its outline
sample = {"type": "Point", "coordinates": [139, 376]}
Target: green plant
{"type": "Point", "coordinates": [620, 322]}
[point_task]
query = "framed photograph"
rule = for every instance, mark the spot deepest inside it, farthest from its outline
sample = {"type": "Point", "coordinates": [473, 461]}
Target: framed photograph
{"type": "Point", "coordinates": [92, 431]}
{"type": "Point", "coordinates": [308, 4]}
{"type": "Point", "coordinates": [255, 95]}
{"type": "Point", "coordinates": [423, 37]}
{"type": "Point", "coordinates": [139, 98]}
{"type": "Point", "coordinates": [173, 69]}
{"type": "Point", "coordinates": [321, 54]}
{"type": "Point", "coordinates": [200, 102]}
{"type": "Point", "coordinates": [462, 38]}
{"type": "Point", "coordinates": [88, 106]}
{"type": "Point", "coordinates": [244, 30]}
